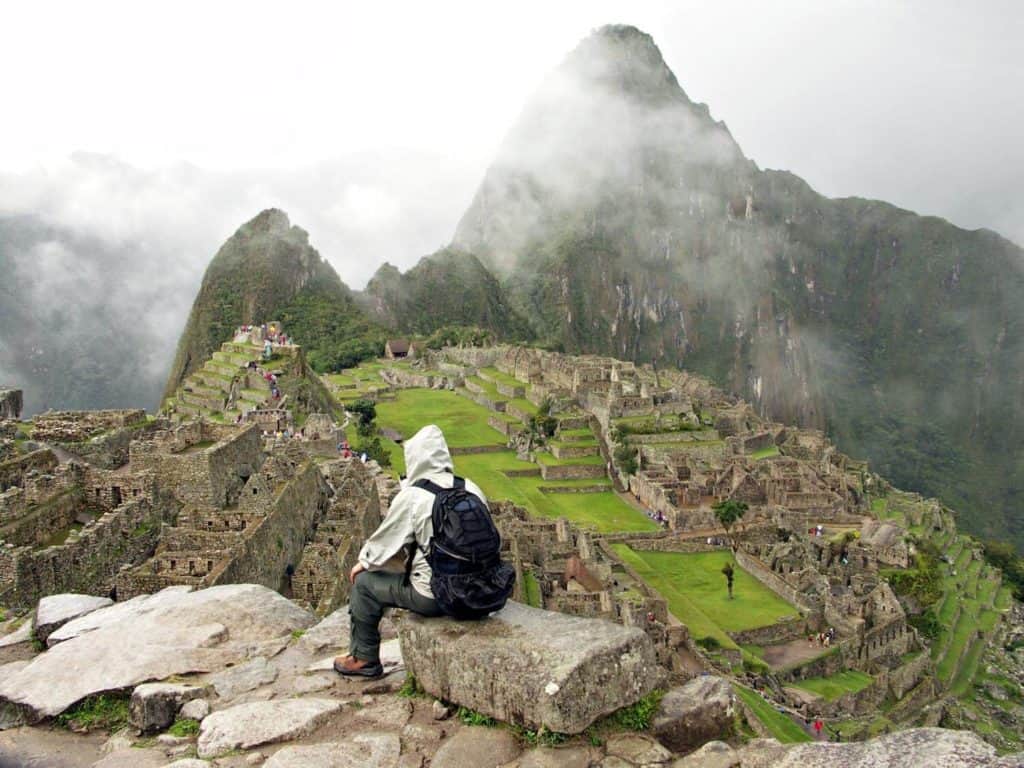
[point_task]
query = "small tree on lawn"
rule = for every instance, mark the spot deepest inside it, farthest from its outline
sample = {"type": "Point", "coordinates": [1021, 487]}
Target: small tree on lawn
{"type": "Point", "coordinates": [366, 412]}
{"type": "Point", "coordinates": [728, 513]}
{"type": "Point", "coordinates": [730, 574]}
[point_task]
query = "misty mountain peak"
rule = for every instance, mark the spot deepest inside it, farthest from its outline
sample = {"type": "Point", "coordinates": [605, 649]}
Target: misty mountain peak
{"type": "Point", "coordinates": [269, 221]}
{"type": "Point", "coordinates": [623, 58]}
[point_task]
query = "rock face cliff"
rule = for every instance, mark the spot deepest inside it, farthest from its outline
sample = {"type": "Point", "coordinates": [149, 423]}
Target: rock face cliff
{"type": "Point", "coordinates": [623, 219]}
{"type": "Point", "coordinates": [450, 287]}
{"type": "Point", "coordinates": [269, 271]}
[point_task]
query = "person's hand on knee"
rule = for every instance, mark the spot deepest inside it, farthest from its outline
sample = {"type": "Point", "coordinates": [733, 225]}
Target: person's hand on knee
{"type": "Point", "coordinates": [356, 570]}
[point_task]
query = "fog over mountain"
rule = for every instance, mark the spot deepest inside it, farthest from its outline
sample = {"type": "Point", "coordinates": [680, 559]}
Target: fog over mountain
{"type": "Point", "coordinates": [121, 176]}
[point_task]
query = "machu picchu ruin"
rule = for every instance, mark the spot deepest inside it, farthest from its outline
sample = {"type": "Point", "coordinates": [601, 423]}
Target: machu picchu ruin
{"type": "Point", "coordinates": [657, 458]}
{"type": "Point", "coordinates": [854, 604]}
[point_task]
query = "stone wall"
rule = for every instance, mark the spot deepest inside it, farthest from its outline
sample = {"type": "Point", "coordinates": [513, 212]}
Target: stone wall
{"type": "Point", "coordinates": [775, 634]}
{"type": "Point", "coordinates": [44, 520]}
{"type": "Point", "coordinates": [200, 474]}
{"type": "Point", "coordinates": [87, 562]}
{"type": "Point", "coordinates": [762, 573]}
{"type": "Point", "coordinates": [78, 426]}
{"type": "Point", "coordinates": [277, 541]}
{"type": "Point", "coordinates": [111, 449]}
{"type": "Point", "coordinates": [571, 472]}
{"type": "Point", "coordinates": [13, 470]}
{"type": "Point", "coordinates": [11, 403]}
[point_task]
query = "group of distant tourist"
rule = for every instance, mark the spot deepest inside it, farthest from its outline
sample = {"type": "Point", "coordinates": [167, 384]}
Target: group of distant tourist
{"type": "Point", "coordinates": [823, 639]}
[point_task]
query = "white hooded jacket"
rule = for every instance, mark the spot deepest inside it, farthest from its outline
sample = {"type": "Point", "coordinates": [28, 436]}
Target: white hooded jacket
{"type": "Point", "coordinates": [409, 517]}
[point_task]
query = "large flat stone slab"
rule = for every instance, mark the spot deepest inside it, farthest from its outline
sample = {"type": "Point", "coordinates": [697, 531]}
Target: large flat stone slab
{"type": "Point", "coordinates": [232, 683]}
{"type": "Point", "coordinates": [17, 645]}
{"type": "Point", "coordinates": [54, 611]}
{"type": "Point", "coordinates": [531, 667]}
{"type": "Point", "coordinates": [262, 722]}
{"type": "Point", "coordinates": [915, 748]}
{"type": "Point", "coordinates": [365, 750]}
{"type": "Point", "coordinates": [178, 633]}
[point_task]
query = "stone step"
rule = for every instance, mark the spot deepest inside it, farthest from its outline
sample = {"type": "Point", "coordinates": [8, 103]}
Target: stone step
{"type": "Point", "coordinates": [221, 367]}
{"type": "Point", "coordinates": [188, 409]}
{"type": "Point", "coordinates": [573, 421]}
{"type": "Point", "coordinates": [572, 450]}
{"type": "Point", "coordinates": [200, 401]}
{"type": "Point", "coordinates": [531, 667]}
{"type": "Point", "coordinates": [571, 471]}
{"type": "Point", "coordinates": [213, 380]}
{"type": "Point", "coordinates": [197, 387]}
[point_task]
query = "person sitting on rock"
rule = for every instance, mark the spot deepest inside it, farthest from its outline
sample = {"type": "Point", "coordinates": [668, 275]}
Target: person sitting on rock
{"type": "Point", "coordinates": [408, 521]}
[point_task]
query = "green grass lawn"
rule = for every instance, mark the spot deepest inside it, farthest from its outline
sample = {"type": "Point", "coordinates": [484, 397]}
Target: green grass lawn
{"type": "Point", "coordinates": [962, 634]}
{"type": "Point", "coordinates": [968, 668]}
{"type": "Point", "coordinates": [831, 688]}
{"type": "Point", "coordinates": [463, 422]}
{"type": "Point", "coordinates": [523, 405]}
{"type": "Point", "coordinates": [489, 389]}
{"type": "Point", "coordinates": [531, 589]}
{"type": "Point", "coordinates": [502, 378]}
{"type": "Point", "coordinates": [781, 726]}
{"type": "Point", "coordinates": [695, 589]}
{"type": "Point", "coordinates": [764, 453]}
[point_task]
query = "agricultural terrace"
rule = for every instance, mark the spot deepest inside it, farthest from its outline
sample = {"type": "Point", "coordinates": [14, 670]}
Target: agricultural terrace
{"type": "Point", "coordinates": [695, 588]}
{"type": "Point", "coordinates": [464, 423]}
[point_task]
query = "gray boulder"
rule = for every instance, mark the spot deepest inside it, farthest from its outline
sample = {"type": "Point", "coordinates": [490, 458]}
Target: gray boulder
{"type": "Point", "coordinates": [154, 706]}
{"type": "Point", "coordinates": [196, 709]}
{"type": "Point", "coordinates": [531, 667]}
{"type": "Point", "coordinates": [477, 747]}
{"type": "Point", "coordinates": [699, 711]}
{"type": "Point", "coordinates": [262, 722]}
{"type": "Point", "coordinates": [182, 633]}
{"type": "Point", "coordinates": [54, 611]}
{"type": "Point", "coordinates": [915, 748]}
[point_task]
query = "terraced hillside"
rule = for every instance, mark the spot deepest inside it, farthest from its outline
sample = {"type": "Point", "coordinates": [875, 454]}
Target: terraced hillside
{"type": "Point", "coordinates": [477, 420]}
{"type": "Point", "coordinates": [226, 388]}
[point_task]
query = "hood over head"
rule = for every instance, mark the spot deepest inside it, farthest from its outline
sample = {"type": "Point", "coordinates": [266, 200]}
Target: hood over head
{"type": "Point", "coordinates": [426, 453]}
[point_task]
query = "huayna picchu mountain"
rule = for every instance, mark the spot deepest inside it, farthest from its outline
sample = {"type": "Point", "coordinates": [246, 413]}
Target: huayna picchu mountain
{"type": "Point", "coordinates": [447, 288]}
{"type": "Point", "coordinates": [268, 270]}
{"type": "Point", "coordinates": [621, 218]}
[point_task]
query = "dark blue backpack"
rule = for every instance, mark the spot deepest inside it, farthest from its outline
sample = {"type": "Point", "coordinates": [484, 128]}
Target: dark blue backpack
{"type": "Point", "coordinates": [469, 579]}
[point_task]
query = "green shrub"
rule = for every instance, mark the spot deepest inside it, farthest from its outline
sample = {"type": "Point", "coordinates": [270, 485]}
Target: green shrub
{"type": "Point", "coordinates": [638, 717]}
{"type": "Point", "coordinates": [107, 711]}
{"type": "Point", "coordinates": [184, 726]}
{"type": "Point", "coordinates": [626, 459]}
{"type": "Point", "coordinates": [472, 717]}
{"type": "Point", "coordinates": [927, 623]}
{"type": "Point", "coordinates": [410, 688]}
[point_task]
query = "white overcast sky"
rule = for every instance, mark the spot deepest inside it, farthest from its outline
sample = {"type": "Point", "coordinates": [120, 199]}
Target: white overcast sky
{"type": "Point", "coordinates": [372, 123]}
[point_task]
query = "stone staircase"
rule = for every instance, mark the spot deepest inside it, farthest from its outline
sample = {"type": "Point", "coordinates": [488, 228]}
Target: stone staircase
{"type": "Point", "coordinates": [224, 388]}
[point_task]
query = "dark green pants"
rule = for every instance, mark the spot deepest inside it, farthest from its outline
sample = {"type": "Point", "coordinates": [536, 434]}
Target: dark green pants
{"type": "Point", "coordinates": [372, 593]}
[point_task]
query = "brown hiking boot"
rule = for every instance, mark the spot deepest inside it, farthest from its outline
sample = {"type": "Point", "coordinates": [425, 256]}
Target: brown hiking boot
{"type": "Point", "coordinates": [350, 666]}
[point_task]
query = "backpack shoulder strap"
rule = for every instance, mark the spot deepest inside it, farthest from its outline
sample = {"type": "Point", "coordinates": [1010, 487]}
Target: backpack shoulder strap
{"type": "Point", "coordinates": [428, 485]}
{"type": "Point", "coordinates": [458, 482]}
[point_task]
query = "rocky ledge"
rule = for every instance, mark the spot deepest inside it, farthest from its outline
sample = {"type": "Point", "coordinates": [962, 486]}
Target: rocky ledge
{"type": "Point", "coordinates": [238, 676]}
